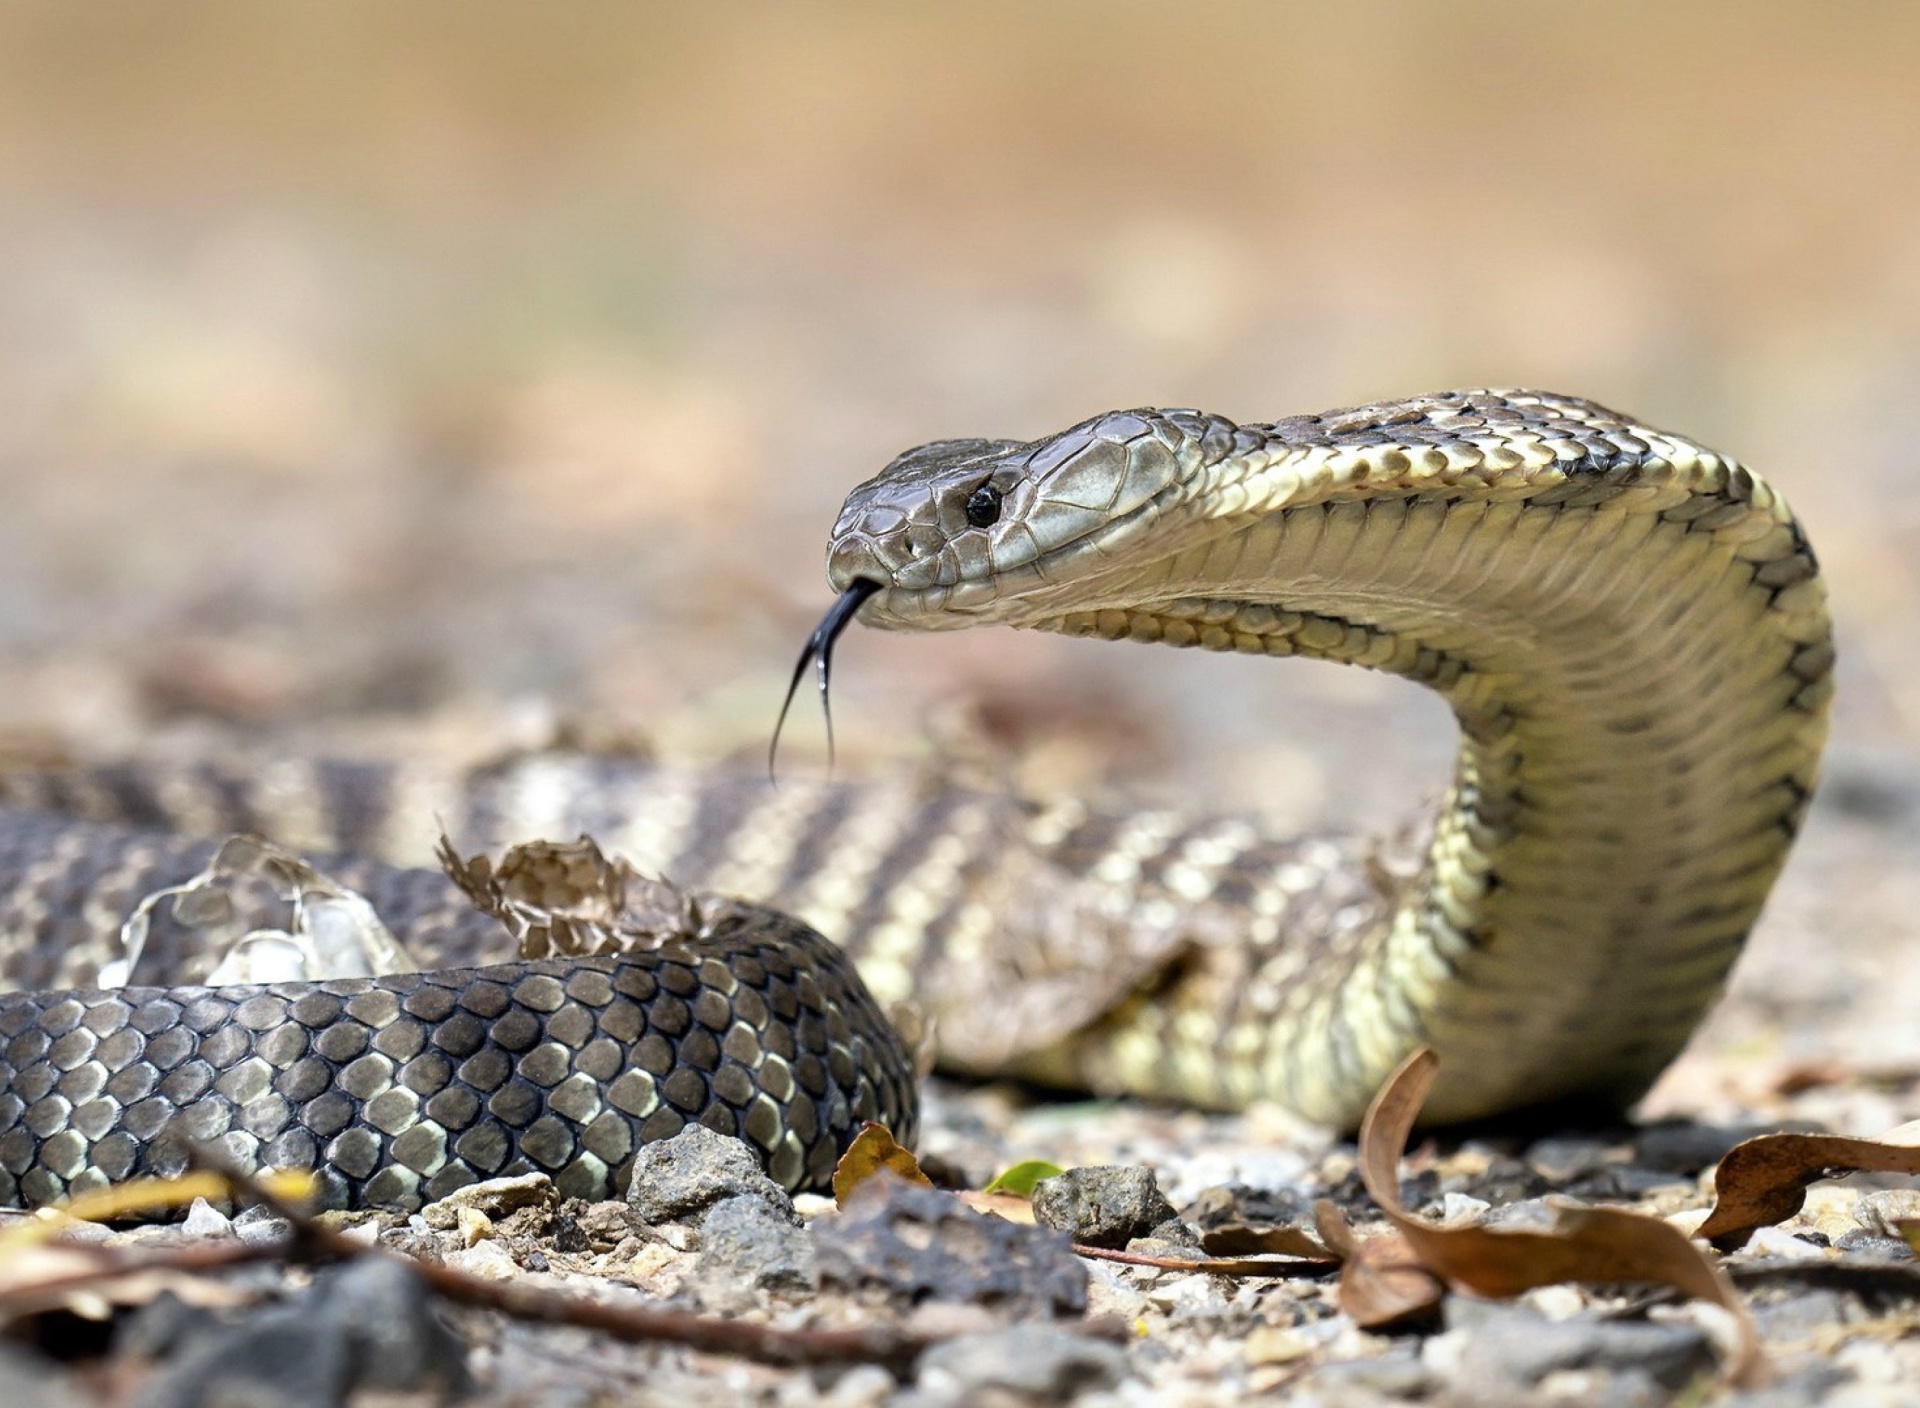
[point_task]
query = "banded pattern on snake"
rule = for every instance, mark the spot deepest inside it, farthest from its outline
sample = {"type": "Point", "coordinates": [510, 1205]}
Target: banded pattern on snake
{"type": "Point", "coordinates": [1630, 629]}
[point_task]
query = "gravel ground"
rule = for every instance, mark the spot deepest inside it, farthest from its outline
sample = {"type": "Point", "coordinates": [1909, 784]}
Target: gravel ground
{"type": "Point", "coordinates": [1017, 1317]}
{"type": "Point", "coordinates": [429, 379]}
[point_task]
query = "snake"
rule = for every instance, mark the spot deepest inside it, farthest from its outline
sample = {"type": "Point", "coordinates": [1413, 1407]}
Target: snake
{"type": "Point", "coordinates": [1630, 629]}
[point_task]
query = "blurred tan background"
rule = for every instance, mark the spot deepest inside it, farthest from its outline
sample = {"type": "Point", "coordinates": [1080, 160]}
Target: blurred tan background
{"type": "Point", "coordinates": [478, 365]}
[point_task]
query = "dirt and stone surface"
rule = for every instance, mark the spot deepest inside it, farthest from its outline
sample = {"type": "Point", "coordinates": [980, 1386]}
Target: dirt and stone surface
{"type": "Point", "coordinates": [1012, 1314]}
{"type": "Point", "coordinates": [444, 379]}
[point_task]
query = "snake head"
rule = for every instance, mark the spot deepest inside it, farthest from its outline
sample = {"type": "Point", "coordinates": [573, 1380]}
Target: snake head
{"type": "Point", "coordinates": [961, 531]}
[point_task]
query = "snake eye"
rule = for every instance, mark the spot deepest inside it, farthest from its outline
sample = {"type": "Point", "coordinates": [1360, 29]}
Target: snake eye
{"type": "Point", "coordinates": [983, 506]}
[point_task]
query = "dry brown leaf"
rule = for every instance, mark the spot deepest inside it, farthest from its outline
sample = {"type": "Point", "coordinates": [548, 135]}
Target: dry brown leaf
{"type": "Point", "coordinates": [1238, 1239]}
{"type": "Point", "coordinates": [1382, 1282]}
{"type": "Point", "coordinates": [1764, 1180]}
{"type": "Point", "coordinates": [1588, 1244]}
{"type": "Point", "coordinates": [872, 1152]}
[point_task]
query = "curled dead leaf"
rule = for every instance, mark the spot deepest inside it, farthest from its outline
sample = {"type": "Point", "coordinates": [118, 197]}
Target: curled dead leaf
{"type": "Point", "coordinates": [1238, 1239]}
{"type": "Point", "coordinates": [1764, 1180]}
{"type": "Point", "coordinates": [1382, 1282]}
{"type": "Point", "coordinates": [873, 1152]}
{"type": "Point", "coordinates": [1587, 1244]}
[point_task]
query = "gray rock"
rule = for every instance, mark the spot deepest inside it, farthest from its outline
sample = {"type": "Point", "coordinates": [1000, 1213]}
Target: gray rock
{"type": "Point", "coordinates": [910, 1245]}
{"type": "Point", "coordinates": [1513, 1344]}
{"type": "Point", "coordinates": [1175, 1233]}
{"type": "Point", "coordinates": [678, 1179]}
{"type": "Point", "coordinates": [1393, 1375]}
{"type": "Point", "coordinates": [1562, 1159]}
{"type": "Point", "coordinates": [1783, 1313]}
{"type": "Point", "coordinates": [1882, 1212]}
{"type": "Point", "coordinates": [1687, 1148]}
{"type": "Point", "coordinates": [747, 1246]}
{"type": "Point", "coordinates": [1529, 1215]}
{"type": "Point", "coordinates": [1043, 1365]}
{"type": "Point", "coordinates": [367, 1325]}
{"type": "Point", "coordinates": [395, 1338]}
{"type": "Point", "coordinates": [157, 1329]}
{"type": "Point", "coordinates": [1862, 1245]}
{"type": "Point", "coordinates": [289, 1357]}
{"type": "Point", "coordinates": [1104, 1206]}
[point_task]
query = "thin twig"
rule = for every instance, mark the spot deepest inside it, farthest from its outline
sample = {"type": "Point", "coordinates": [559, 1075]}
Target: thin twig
{"type": "Point", "coordinates": [1214, 1266]}
{"type": "Point", "coordinates": [115, 1263]}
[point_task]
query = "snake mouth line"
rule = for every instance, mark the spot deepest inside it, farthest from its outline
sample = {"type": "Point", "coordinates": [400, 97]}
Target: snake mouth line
{"type": "Point", "coordinates": [818, 652]}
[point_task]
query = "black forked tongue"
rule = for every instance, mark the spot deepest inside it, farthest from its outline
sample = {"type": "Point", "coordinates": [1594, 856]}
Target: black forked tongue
{"type": "Point", "coordinates": [819, 653]}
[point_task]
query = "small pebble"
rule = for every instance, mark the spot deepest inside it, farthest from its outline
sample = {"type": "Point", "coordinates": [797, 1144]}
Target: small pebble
{"type": "Point", "coordinates": [1044, 1364]}
{"type": "Point", "coordinates": [1556, 1302]}
{"type": "Point", "coordinates": [473, 1226]}
{"type": "Point", "coordinates": [1390, 1376]}
{"type": "Point", "coordinates": [488, 1259]}
{"type": "Point", "coordinates": [1565, 1159]}
{"type": "Point", "coordinates": [1779, 1243]}
{"type": "Point", "coordinates": [1274, 1344]}
{"type": "Point", "coordinates": [495, 1197]}
{"type": "Point", "coordinates": [863, 1386]}
{"type": "Point", "coordinates": [1879, 1212]}
{"type": "Point", "coordinates": [1862, 1245]}
{"type": "Point", "coordinates": [1184, 1293]}
{"type": "Point", "coordinates": [75, 1231]}
{"type": "Point", "coordinates": [258, 1226]}
{"type": "Point", "coordinates": [1532, 1215]}
{"type": "Point", "coordinates": [1685, 1147]}
{"type": "Point", "coordinates": [1513, 1344]}
{"type": "Point", "coordinates": [203, 1221]}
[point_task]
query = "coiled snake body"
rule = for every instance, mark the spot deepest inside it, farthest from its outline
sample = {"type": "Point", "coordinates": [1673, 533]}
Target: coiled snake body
{"type": "Point", "coordinates": [1629, 628]}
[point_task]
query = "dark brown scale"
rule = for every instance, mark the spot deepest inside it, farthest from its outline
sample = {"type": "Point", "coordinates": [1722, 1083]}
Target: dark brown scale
{"type": "Point", "coordinates": [400, 1089]}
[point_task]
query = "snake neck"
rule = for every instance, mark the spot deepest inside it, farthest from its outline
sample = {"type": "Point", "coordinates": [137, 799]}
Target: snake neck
{"type": "Point", "coordinates": [1638, 655]}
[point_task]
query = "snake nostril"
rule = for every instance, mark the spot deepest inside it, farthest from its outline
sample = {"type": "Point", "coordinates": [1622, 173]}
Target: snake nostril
{"type": "Point", "coordinates": [848, 561]}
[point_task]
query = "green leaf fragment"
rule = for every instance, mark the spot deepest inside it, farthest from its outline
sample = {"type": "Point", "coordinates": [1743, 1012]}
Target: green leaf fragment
{"type": "Point", "coordinates": [1021, 1178]}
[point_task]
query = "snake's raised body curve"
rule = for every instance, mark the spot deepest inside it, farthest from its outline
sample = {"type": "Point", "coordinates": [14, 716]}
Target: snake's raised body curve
{"type": "Point", "coordinates": [1629, 627]}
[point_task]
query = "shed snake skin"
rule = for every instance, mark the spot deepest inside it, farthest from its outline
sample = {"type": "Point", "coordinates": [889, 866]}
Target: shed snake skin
{"type": "Point", "coordinates": [1629, 628]}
